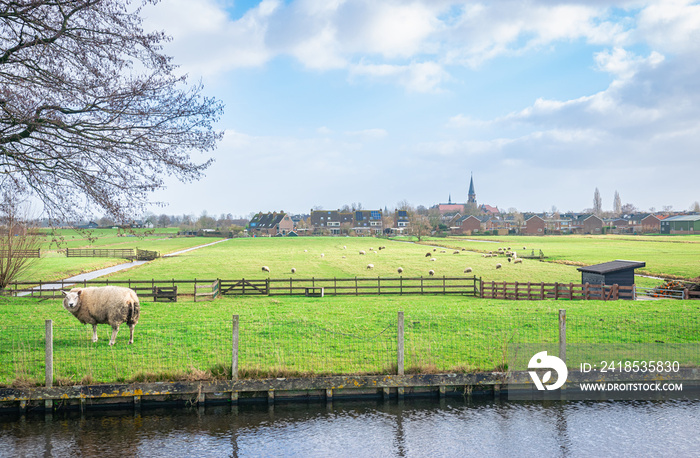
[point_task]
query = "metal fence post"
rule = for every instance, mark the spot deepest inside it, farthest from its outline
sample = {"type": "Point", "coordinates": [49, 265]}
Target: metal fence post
{"type": "Point", "coordinates": [234, 349]}
{"type": "Point", "coordinates": [562, 335]}
{"type": "Point", "coordinates": [399, 345]}
{"type": "Point", "coordinates": [48, 354]}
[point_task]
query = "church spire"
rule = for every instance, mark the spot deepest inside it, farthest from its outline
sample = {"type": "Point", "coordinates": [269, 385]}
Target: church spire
{"type": "Point", "coordinates": [472, 194]}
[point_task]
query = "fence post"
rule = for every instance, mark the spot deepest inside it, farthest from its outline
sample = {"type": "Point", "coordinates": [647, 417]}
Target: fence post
{"type": "Point", "coordinates": [399, 345]}
{"type": "Point", "coordinates": [48, 354]}
{"type": "Point", "coordinates": [234, 349]}
{"type": "Point", "coordinates": [556, 290]}
{"type": "Point", "coordinates": [562, 334]}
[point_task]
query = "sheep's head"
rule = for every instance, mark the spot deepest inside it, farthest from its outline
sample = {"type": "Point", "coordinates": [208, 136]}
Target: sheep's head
{"type": "Point", "coordinates": [71, 300]}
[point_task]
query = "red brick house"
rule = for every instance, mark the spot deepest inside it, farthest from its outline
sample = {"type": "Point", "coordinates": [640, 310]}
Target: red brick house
{"type": "Point", "coordinates": [534, 225]}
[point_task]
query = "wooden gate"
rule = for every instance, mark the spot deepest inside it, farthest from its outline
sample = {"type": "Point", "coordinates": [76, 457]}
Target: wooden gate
{"type": "Point", "coordinates": [243, 286]}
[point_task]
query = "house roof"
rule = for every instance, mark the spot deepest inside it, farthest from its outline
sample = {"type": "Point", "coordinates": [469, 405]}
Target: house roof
{"type": "Point", "coordinates": [612, 266]}
{"type": "Point", "coordinates": [266, 220]}
{"type": "Point", "coordinates": [683, 218]}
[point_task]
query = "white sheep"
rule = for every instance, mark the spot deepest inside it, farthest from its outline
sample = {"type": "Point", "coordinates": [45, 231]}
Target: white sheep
{"type": "Point", "coordinates": [111, 305]}
{"type": "Point", "coordinates": [371, 249]}
{"type": "Point", "coordinates": [265, 269]}
{"type": "Point", "coordinates": [306, 251]}
{"type": "Point", "coordinates": [362, 251]}
{"type": "Point", "coordinates": [322, 255]}
{"type": "Point", "coordinates": [431, 272]}
{"type": "Point", "coordinates": [345, 247]}
{"type": "Point", "coordinates": [400, 270]}
{"type": "Point", "coordinates": [498, 266]}
{"type": "Point", "coordinates": [518, 261]}
{"type": "Point", "coordinates": [294, 270]}
{"type": "Point", "coordinates": [432, 259]}
{"type": "Point", "coordinates": [467, 270]}
{"type": "Point", "coordinates": [370, 266]}
{"type": "Point", "coordinates": [344, 257]}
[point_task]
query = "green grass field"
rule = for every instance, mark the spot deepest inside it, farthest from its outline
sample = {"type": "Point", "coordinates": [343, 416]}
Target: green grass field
{"type": "Point", "coordinates": [300, 336]}
{"type": "Point", "coordinates": [676, 256]}
{"type": "Point", "coordinates": [342, 335]}
{"type": "Point", "coordinates": [54, 265]}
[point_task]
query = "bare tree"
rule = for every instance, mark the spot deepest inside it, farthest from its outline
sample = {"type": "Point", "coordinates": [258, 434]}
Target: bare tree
{"type": "Point", "coordinates": [695, 207]}
{"type": "Point", "coordinates": [91, 111]}
{"type": "Point", "coordinates": [597, 202]}
{"type": "Point", "coordinates": [17, 240]}
{"type": "Point", "coordinates": [617, 204]}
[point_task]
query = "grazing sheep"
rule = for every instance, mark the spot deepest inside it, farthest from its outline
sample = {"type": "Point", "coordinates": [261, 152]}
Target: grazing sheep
{"type": "Point", "coordinates": [362, 251]}
{"type": "Point", "coordinates": [345, 247]}
{"type": "Point", "coordinates": [431, 272]}
{"type": "Point", "coordinates": [400, 270]}
{"type": "Point", "coordinates": [370, 266]}
{"type": "Point", "coordinates": [443, 251]}
{"type": "Point", "coordinates": [434, 249]}
{"type": "Point", "coordinates": [265, 269]}
{"type": "Point", "coordinates": [375, 252]}
{"type": "Point", "coordinates": [344, 257]}
{"type": "Point", "coordinates": [518, 261]}
{"type": "Point", "coordinates": [432, 259]}
{"type": "Point", "coordinates": [427, 255]}
{"type": "Point", "coordinates": [524, 248]}
{"type": "Point", "coordinates": [111, 305]}
{"type": "Point", "coordinates": [455, 252]}
{"type": "Point", "coordinates": [306, 251]}
{"type": "Point", "coordinates": [322, 255]}
{"type": "Point", "coordinates": [509, 259]}
{"type": "Point", "coordinates": [498, 266]}
{"type": "Point", "coordinates": [467, 270]}
{"type": "Point", "coordinates": [371, 249]}
{"type": "Point", "coordinates": [514, 254]}
{"type": "Point", "coordinates": [294, 270]}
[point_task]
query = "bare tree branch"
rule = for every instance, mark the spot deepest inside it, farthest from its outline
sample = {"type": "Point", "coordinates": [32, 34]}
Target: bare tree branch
{"type": "Point", "coordinates": [90, 109]}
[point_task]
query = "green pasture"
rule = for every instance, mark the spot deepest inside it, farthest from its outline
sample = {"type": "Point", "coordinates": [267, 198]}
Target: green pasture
{"type": "Point", "coordinates": [327, 257]}
{"type": "Point", "coordinates": [332, 335]}
{"type": "Point", "coordinates": [677, 256]}
{"type": "Point", "coordinates": [54, 265]}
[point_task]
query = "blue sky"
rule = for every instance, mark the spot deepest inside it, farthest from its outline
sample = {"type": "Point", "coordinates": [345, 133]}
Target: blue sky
{"type": "Point", "coordinates": [330, 102]}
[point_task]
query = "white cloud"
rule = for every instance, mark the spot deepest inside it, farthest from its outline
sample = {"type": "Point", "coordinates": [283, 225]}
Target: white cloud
{"type": "Point", "coordinates": [415, 76]}
{"type": "Point", "coordinates": [368, 133]}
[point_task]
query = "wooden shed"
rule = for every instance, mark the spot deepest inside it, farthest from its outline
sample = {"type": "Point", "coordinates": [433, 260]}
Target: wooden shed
{"type": "Point", "coordinates": [610, 273]}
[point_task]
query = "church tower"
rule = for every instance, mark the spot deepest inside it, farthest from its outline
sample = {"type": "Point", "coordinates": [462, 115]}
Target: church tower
{"type": "Point", "coordinates": [472, 195]}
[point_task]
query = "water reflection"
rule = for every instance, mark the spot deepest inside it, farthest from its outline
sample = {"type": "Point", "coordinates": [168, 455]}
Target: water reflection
{"type": "Point", "coordinates": [406, 428]}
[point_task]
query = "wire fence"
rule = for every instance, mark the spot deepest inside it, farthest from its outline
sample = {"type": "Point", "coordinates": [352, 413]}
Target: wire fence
{"type": "Point", "coordinates": [433, 342]}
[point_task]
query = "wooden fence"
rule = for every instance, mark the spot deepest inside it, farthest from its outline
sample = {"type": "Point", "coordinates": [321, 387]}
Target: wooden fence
{"type": "Point", "coordinates": [211, 290]}
{"type": "Point", "coordinates": [22, 253]}
{"type": "Point", "coordinates": [126, 253]}
{"type": "Point", "coordinates": [541, 291]}
{"type": "Point", "coordinates": [355, 286]}
{"type": "Point", "coordinates": [360, 286]}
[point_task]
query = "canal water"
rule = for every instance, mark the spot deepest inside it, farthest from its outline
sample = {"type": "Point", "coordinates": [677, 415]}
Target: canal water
{"type": "Point", "coordinates": [414, 427]}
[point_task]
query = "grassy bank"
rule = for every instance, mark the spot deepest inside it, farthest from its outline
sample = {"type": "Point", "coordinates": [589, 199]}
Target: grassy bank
{"type": "Point", "coordinates": [301, 336]}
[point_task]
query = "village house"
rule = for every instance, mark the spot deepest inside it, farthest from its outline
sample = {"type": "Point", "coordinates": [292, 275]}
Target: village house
{"type": "Point", "coordinates": [336, 222]}
{"type": "Point", "coordinates": [270, 224]}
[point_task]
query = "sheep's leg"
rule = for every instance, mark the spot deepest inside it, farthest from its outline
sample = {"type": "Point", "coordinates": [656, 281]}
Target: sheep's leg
{"type": "Point", "coordinates": [94, 333]}
{"type": "Point", "coordinates": [131, 333]}
{"type": "Point", "coordinates": [115, 330]}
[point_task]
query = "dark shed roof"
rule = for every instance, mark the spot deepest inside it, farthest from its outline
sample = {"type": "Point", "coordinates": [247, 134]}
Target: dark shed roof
{"type": "Point", "coordinates": [612, 266]}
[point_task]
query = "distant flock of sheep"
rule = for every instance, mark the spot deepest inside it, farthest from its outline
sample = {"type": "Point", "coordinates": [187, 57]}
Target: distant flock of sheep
{"type": "Point", "coordinates": [510, 254]}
